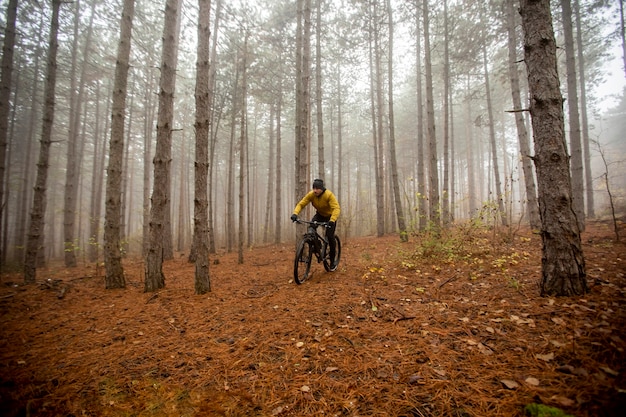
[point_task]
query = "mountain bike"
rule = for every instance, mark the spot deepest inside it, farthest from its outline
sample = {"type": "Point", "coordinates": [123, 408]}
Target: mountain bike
{"type": "Point", "coordinates": [314, 243]}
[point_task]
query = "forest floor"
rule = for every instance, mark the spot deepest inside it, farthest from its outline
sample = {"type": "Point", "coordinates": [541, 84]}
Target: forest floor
{"type": "Point", "coordinates": [449, 327]}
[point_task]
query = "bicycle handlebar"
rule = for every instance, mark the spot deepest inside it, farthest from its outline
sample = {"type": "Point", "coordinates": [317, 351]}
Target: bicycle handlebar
{"type": "Point", "coordinates": [323, 224]}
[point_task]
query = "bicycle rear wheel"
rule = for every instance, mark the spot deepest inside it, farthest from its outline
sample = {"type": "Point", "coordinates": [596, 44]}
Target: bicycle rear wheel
{"type": "Point", "coordinates": [331, 264]}
{"type": "Point", "coordinates": [302, 263]}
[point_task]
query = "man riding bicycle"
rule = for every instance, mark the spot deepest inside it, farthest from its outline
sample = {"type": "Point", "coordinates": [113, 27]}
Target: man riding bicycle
{"type": "Point", "coordinates": [327, 210]}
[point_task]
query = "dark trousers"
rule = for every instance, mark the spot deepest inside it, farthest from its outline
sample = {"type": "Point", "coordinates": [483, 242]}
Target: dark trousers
{"type": "Point", "coordinates": [330, 233]}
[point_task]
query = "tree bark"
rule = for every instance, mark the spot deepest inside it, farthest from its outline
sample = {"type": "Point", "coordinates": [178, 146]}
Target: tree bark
{"type": "Point", "coordinates": [114, 277]}
{"type": "Point", "coordinates": [433, 173]}
{"type": "Point", "coordinates": [583, 114]}
{"type": "Point", "coordinates": [563, 264]}
{"type": "Point", "coordinates": [404, 236]}
{"type": "Point", "coordinates": [161, 194]}
{"type": "Point", "coordinates": [5, 96]}
{"type": "Point", "coordinates": [578, 188]}
{"type": "Point", "coordinates": [38, 211]}
{"type": "Point", "coordinates": [202, 280]}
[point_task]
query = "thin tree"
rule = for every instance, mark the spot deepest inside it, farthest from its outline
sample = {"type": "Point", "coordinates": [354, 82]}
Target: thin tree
{"type": "Point", "coordinates": [202, 282]}
{"type": "Point", "coordinates": [243, 146]}
{"type": "Point", "coordinates": [74, 154]}
{"type": "Point", "coordinates": [492, 141]}
{"type": "Point", "coordinates": [321, 171]}
{"type": "Point", "coordinates": [421, 171]}
{"type": "Point", "coordinates": [37, 214]}
{"type": "Point", "coordinates": [159, 212]}
{"type": "Point", "coordinates": [5, 96]}
{"type": "Point", "coordinates": [114, 277]}
{"type": "Point", "coordinates": [404, 236]}
{"type": "Point", "coordinates": [574, 116]}
{"type": "Point", "coordinates": [522, 132]}
{"type": "Point", "coordinates": [445, 194]}
{"type": "Point", "coordinates": [583, 114]}
{"type": "Point", "coordinates": [433, 172]}
{"type": "Point", "coordinates": [303, 69]}
{"type": "Point", "coordinates": [563, 264]}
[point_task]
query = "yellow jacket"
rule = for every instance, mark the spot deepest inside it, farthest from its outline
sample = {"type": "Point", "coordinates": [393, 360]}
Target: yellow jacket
{"type": "Point", "coordinates": [326, 204]}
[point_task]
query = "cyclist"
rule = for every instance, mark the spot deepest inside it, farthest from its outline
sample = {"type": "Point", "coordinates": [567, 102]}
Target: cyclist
{"type": "Point", "coordinates": [327, 210]}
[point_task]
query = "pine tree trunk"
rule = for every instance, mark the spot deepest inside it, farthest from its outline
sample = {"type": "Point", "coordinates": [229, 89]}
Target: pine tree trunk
{"type": "Point", "coordinates": [433, 173]}
{"type": "Point", "coordinates": [5, 95]}
{"type": "Point", "coordinates": [421, 160]}
{"type": "Point", "coordinates": [522, 132]}
{"type": "Point", "coordinates": [392, 138]}
{"type": "Point", "coordinates": [583, 114]}
{"type": "Point", "coordinates": [202, 280]}
{"type": "Point", "coordinates": [574, 117]}
{"type": "Point", "coordinates": [38, 211]}
{"type": "Point", "coordinates": [321, 171]}
{"type": "Point", "coordinates": [563, 265]}
{"type": "Point", "coordinates": [161, 195]}
{"type": "Point", "coordinates": [114, 277]}
{"type": "Point", "coordinates": [492, 141]}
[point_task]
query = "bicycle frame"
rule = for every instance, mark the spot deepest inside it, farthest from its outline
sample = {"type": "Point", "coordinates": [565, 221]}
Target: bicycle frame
{"type": "Point", "coordinates": [321, 242]}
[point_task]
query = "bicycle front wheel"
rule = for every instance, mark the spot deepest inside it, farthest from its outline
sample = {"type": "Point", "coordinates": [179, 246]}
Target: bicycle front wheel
{"type": "Point", "coordinates": [302, 264]}
{"type": "Point", "coordinates": [331, 264]}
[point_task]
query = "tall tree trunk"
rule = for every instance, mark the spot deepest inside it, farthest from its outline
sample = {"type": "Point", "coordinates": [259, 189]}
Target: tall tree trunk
{"type": "Point", "coordinates": [243, 143]}
{"type": "Point", "coordinates": [202, 279]}
{"type": "Point", "coordinates": [563, 264]}
{"type": "Point", "coordinates": [472, 193]}
{"type": "Point", "coordinates": [321, 171]}
{"type": "Point", "coordinates": [279, 170]}
{"type": "Point", "coordinates": [230, 192]}
{"type": "Point", "coordinates": [377, 117]}
{"type": "Point", "coordinates": [25, 186]}
{"type": "Point", "coordinates": [5, 96]}
{"type": "Point", "coordinates": [574, 116]}
{"type": "Point", "coordinates": [303, 115]}
{"type": "Point", "coordinates": [161, 194]}
{"type": "Point", "coordinates": [492, 141]}
{"type": "Point", "coordinates": [433, 173]}
{"type": "Point", "coordinates": [522, 132]}
{"type": "Point", "coordinates": [445, 194]}
{"type": "Point", "coordinates": [271, 176]}
{"type": "Point", "coordinates": [71, 171]}
{"type": "Point", "coordinates": [97, 180]}
{"type": "Point", "coordinates": [392, 137]}
{"type": "Point", "coordinates": [213, 127]}
{"type": "Point", "coordinates": [38, 211]}
{"type": "Point", "coordinates": [114, 277]}
{"type": "Point", "coordinates": [148, 123]}
{"type": "Point", "coordinates": [421, 174]}
{"type": "Point", "coordinates": [591, 213]}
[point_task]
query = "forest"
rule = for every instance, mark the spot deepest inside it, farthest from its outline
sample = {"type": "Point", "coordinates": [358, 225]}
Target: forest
{"type": "Point", "coordinates": [413, 110]}
{"type": "Point", "coordinates": [151, 155]}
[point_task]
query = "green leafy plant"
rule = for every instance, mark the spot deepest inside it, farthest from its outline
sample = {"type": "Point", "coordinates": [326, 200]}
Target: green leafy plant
{"type": "Point", "coordinates": [541, 410]}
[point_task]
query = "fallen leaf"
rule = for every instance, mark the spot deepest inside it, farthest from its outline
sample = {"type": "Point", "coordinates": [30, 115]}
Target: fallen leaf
{"type": "Point", "coordinates": [490, 329]}
{"type": "Point", "coordinates": [558, 320]}
{"type": "Point", "coordinates": [332, 369]}
{"type": "Point", "coordinates": [564, 401]}
{"type": "Point", "coordinates": [305, 388]}
{"type": "Point", "coordinates": [547, 357]}
{"type": "Point", "coordinates": [532, 381]}
{"type": "Point", "coordinates": [509, 384]}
